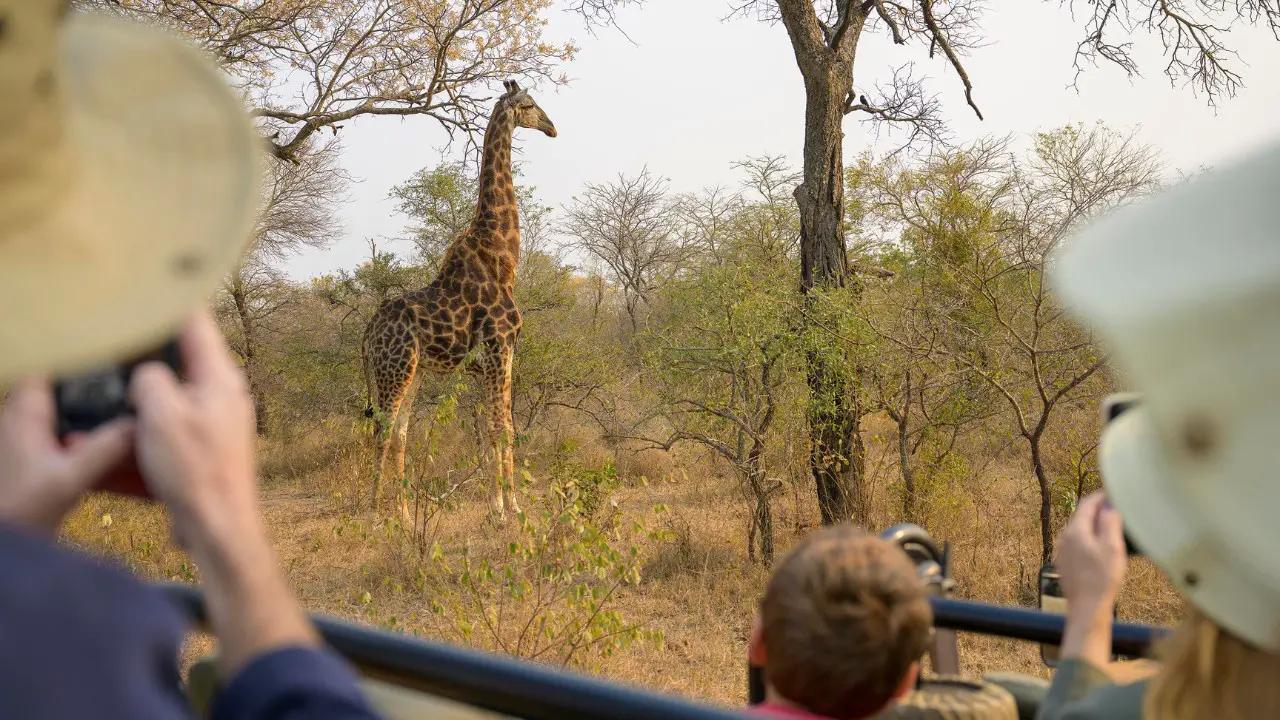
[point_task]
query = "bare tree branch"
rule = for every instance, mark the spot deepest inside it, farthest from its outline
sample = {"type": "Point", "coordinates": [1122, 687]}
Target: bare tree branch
{"type": "Point", "coordinates": [940, 39]}
{"type": "Point", "coordinates": [1191, 32]}
{"type": "Point", "coordinates": [600, 13]}
{"type": "Point", "coordinates": [887, 17]}
{"type": "Point", "coordinates": [306, 65]}
{"type": "Point", "coordinates": [629, 225]}
{"type": "Point", "coordinates": [903, 102]}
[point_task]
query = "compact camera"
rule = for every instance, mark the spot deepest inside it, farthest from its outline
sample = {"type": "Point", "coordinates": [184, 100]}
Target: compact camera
{"type": "Point", "coordinates": [88, 400]}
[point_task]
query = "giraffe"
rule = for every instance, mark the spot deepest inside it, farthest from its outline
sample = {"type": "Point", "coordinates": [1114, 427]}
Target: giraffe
{"type": "Point", "coordinates": [467, 311]}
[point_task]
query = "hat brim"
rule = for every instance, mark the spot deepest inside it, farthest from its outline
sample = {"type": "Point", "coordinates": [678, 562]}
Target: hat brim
{"type": "Point", "coordinates": [1135, 476]}
{"type": "Point", "coordinates": [159, 207]}
{"type": "Point", "coordinates": [1158, 517]}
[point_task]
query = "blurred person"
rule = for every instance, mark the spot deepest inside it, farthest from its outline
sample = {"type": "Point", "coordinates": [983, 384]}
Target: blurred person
{"type": "Point", "coordinates": [129, 185]}
{"type": "Point", "coordinates": [1185, 288]}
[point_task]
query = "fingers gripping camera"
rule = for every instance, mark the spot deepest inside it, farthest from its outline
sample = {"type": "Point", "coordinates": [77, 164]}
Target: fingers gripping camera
{"type": "Point", "coordinates": [94, 398]}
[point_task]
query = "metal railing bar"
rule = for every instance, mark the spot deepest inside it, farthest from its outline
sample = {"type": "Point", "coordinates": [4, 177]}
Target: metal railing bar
{"type": "Point", "coordinates": [497, 683]}
{"type": "Point", "coordinates": [1129, 639]}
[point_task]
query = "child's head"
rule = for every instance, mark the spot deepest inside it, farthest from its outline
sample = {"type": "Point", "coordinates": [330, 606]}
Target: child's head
{"type": "Point", "coordinates": [843, 624]}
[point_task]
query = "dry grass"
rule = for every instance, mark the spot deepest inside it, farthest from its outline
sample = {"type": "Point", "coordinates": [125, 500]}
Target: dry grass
{"type": "Point", "coordinates": [698, 587]}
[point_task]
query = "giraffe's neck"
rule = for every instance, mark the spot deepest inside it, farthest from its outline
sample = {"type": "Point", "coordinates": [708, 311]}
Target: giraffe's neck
{"type": "Point", "coordinates": [497, 215]}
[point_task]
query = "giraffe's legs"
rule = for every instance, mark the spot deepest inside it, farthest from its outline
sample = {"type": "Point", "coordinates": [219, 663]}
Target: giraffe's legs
{"type": "Point", "coordinates": [497, 385]}
{"type": "Point", "coordinates": [382, 441]}
{"type": "Point", "coordinates": [394, 384]}
{"type": "Point", "coordinates": [402, 436]}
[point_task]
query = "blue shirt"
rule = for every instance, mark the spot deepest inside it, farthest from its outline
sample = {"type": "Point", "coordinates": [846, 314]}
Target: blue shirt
{"type": "Point", "coordinates": [82, 639]}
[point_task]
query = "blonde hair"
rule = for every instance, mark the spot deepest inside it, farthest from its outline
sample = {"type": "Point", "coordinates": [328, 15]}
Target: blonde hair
{"type": "Point", "coordinates": [1206, 672]}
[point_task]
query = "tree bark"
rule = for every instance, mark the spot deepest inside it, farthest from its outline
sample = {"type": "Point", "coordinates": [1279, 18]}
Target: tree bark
{"type": "Point", "coordinates": [1046, 524]}
{"type": "Point", "coordinates": [761, 534]}
{"type": "Point", "coordinates": [240, 297]}
{"type": "Point", "coordinates": [825, 60]}
{"type": "Point", "coordinates": [835, 458]}
{"type": "Point", "coordinates": [633, 302]}
{"type": "Point", "coordinates": [597, 301]}
{"type": "Point", "coordinates": [904, 452]}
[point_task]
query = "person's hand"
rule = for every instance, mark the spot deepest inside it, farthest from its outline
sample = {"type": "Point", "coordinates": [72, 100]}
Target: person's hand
{"type": "Point", "coordinates": [195, 441]}
{"type": "Point", "coordinates": [1091, 557]}
{"type": "Point", "coordinates": [1091, 563]}
{"type": "Point", "coordinates": [41, 480]}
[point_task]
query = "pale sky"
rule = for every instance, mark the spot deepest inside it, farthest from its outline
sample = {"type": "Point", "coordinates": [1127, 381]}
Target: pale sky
{"type": "Point", "coordinates": [696, 92]}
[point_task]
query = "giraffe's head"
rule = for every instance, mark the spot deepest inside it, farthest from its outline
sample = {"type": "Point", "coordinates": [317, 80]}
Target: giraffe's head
{"type": "Point", "coordinates": [527, 112]}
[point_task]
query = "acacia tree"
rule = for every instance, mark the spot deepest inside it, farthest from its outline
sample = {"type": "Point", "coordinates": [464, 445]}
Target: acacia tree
{"type": "Point", "coordinates": [921, 222]}
{"type": "Point", "coordinates": [703, 219]}
{"type": "Point", "coordinates": [825, 36]}
{"type": "Point", "coordinates": [931, 408]}
{"type": "Point", "coordinates": [722, 360]}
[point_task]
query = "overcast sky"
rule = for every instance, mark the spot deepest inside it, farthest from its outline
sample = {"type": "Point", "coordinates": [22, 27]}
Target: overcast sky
{"type": "Point", "coordinates": [696, 92]}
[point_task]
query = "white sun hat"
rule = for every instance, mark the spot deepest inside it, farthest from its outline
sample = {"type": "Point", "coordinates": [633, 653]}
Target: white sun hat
{"type": "Point", "coordinates": [1184, 287]}
{"type": "Point", "coordinates": [129, 186]}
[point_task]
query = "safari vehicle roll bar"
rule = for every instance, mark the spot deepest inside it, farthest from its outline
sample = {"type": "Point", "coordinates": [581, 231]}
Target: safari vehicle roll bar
{"type": "Point", "coordinates": [499, 684]}
{"type": "Point", "coordinates": [519, 689]}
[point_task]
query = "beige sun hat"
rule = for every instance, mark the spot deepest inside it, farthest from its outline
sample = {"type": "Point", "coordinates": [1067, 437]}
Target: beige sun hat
{"type": "Point", "coordinates": [1185, 288]}
{"type": "Point", "coordinates": [129, 186]}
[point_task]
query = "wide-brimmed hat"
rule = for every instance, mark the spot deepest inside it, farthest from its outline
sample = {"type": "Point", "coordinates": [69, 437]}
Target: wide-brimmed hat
{"type": "Point", "coordinates": [1185, 288]}
{"type": "Point", "coordinates": [129, 186]}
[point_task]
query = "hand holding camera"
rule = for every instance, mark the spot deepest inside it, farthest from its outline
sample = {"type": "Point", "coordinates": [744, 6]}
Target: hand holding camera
{"type": "Point", "coordinates": [191, 440]}
{"type": "Point", "coordinates": [60, 440]}
{"type": "Point", "coordinates": [90, 400]}
{"type": "Point", "coordinates": [40, 478]}
{"type": "Point", "coordinates": [1091, 555]}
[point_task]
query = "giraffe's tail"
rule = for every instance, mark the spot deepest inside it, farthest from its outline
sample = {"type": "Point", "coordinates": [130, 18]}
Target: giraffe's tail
{"type": "Point", "coordinates": [368, 379]}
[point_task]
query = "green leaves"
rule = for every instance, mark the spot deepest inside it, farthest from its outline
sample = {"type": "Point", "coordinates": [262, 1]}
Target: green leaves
{"type": "Point", "coordinates": [547, 595]}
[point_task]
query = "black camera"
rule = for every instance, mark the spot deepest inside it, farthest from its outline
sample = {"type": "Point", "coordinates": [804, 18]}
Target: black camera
{"type": "Point", "coordinates": [94, 398]}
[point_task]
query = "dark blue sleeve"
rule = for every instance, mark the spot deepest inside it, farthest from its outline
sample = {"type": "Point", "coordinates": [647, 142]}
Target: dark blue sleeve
{"type": "Point", "coordinates": [293, 684]}
{"type": "Point", "coordinates": [82, 638]}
